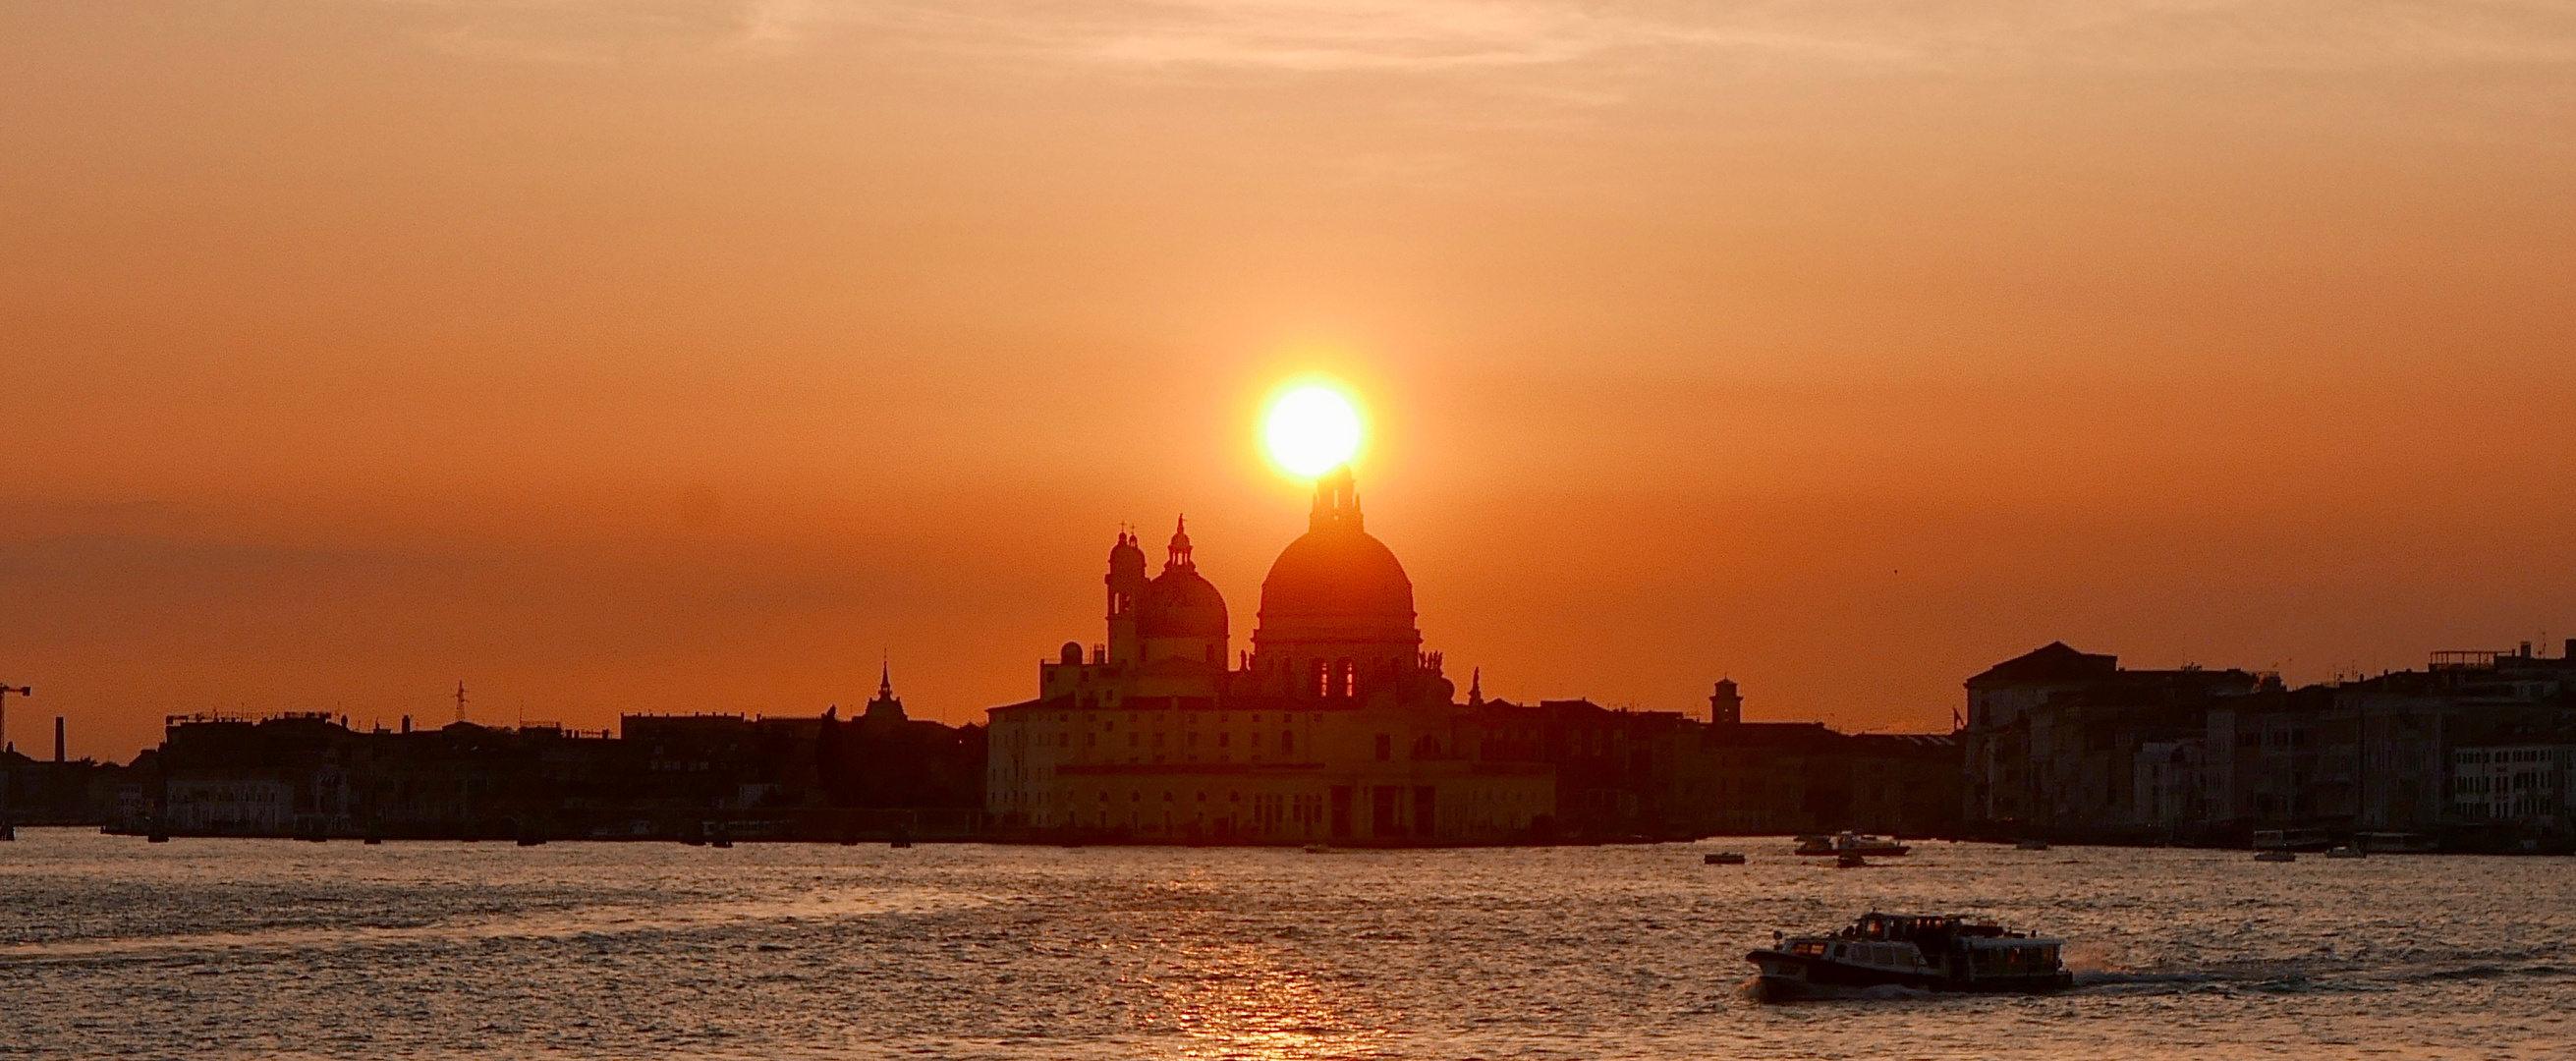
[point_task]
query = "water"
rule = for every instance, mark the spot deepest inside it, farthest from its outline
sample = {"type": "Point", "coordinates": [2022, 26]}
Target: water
{"type": "Point", "coordinates": [110, 947]}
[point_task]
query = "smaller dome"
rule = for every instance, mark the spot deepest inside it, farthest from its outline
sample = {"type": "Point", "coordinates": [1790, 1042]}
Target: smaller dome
{"type": "Point", "coordinates": [1127, 552]}
{"type": "Point", "coordinates": [1181, 603]}
{"type": "Point", "coordinates": [1072, 652]}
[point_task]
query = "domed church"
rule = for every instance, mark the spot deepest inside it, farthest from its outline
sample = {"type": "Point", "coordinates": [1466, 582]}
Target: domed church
{"type": "Point", "coordinates": [1336, 727]}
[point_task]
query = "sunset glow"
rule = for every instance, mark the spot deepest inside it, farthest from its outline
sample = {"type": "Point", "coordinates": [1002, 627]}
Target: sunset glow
{"type": "Point", "coordinates": [1311, 430]}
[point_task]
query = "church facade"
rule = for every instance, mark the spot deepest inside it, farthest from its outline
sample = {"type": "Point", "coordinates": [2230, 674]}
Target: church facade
{"type": "Point", "coordinates": [1334, 727]}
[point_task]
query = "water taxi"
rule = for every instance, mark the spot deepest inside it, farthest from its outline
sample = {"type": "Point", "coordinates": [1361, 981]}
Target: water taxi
{"type": "Point", "coordinates": [1924, 953]}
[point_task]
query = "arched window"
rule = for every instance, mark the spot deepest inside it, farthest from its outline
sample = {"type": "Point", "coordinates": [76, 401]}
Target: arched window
{"type": "Point", "coordinates": [1349, 678]}
{"type": "Point", "coordinates": [1318, 679]}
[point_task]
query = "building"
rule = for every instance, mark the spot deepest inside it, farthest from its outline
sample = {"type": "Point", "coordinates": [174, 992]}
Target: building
{"type": "Point", "coordinates": [2525, 785]}
{"type": "Point", "coordinates": [2058, 739]}
{"type": "Point", "coordinates": [308, 774]}
{"type": "Point", "coordinates": [1334, 727]}
{"type": "Point", "coordinates": [2471, 751]}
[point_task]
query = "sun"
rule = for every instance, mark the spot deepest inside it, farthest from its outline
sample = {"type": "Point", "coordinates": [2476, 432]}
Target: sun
{"type": "Point", "coordinates": [1312, 429]}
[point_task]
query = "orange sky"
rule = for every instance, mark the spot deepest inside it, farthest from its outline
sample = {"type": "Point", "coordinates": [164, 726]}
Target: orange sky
{"type": "Point", "coordinates": [681, 356]}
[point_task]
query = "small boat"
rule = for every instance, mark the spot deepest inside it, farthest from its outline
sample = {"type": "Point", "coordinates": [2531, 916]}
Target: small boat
{"type": "Point", "coordinates": [2346, 851]}
{"type": "Point", "coordinates": [2031, 845]}
{"type": "Point", "coordinates": [1850, 860]}
{"type": "Point", "coordinates": [2388, 843]}
{"type": "Point", "coordinates": [2308, 840]}
{"type": "Point", "coordinates": [2276, 855]}
{"type": "Point", "coordinates": [1925, 953]}
{"type": "Point", "coordinates": [1722, 858]}
{"type": "Point", "coordinates": [1318, 849]}
{"type": "Point", "coordinates": [1848, 841]}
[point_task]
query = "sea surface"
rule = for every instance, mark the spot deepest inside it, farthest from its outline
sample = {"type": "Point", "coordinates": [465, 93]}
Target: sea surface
{"type": "Point", "coordinates": [111, 947]}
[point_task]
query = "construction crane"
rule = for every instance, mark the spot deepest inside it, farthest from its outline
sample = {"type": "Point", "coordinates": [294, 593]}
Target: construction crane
{"type": "Point", "coordinates": [5, 690]}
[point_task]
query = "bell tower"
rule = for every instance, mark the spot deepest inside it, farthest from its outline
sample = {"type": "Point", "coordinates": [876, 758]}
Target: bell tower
{"type": "Point", "coordinates": [1126, 583]}
{"type": "Point", "coordinates": [1726, 705]}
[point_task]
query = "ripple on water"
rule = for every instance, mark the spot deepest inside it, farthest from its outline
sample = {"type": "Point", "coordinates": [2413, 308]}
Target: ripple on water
{"type": "Point", "coordinates": [224, 949]}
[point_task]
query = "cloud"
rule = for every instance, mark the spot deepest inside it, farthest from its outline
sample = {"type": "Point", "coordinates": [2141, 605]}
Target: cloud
{"type": "Point", "coordinates": [1483, 37]}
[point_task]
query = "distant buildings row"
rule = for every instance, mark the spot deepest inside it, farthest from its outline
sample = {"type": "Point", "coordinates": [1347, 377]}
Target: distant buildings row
{"type": "Point", "coordinates": [2476, 751]}
{"type": "Point", "coordinates": [1596, 774]}
{"type": "Point", "coordinates": [1337, 727]}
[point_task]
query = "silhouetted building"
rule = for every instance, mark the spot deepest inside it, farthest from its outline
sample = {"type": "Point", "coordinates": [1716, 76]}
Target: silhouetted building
{"type": "Point", "coordinates": [2466, 751]}
{"type": "Point", "coordinates": [1338, 727]}
{"type": "Point", "coordinates": [664, 776]}
{"type": "Point", "coordinates": [1335, 727]}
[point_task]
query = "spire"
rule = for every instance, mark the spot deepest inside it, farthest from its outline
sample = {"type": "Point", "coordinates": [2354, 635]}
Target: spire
{"type": "Point", "coordinates": [1475, 687]}
{"type": "Point", "coordinates": [885, 706]}
{"type": "Point", "coordinates": [1180, 559]}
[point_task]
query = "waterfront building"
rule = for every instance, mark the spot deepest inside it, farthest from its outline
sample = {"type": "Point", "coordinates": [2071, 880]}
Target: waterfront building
{"type": "Point", "coordinates": [1335, 727]}
{"type": "Point", "coordinates": [2525, 784]}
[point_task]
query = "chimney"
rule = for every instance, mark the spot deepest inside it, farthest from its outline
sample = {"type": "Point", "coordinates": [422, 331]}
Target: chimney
{"type": "Point", "coordinates": [58, 738]}
{"type": "Point", "coordinates": [2570, 653]}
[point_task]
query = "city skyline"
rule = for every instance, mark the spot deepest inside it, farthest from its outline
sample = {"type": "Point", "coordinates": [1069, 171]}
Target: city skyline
{"type": "Point", "coordinates": [611, 357]}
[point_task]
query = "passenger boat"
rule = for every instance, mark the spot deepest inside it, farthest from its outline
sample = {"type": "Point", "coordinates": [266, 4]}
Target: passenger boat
{"type": "Point", "coordinates": [1850, 843]}
{"type": "Point", "coordinates": [2346, 851]}
{"type": "Point", "coordinates": [1924, 953]}
{"type": "Point", "coordinates": [2031, 845]}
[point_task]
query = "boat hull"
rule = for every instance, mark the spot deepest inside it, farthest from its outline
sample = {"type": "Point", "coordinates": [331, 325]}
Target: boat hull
{"type": "Point", "coordinates": [1783, 975]}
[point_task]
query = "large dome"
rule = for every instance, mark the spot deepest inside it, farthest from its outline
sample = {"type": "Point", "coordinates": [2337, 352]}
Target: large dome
{"type": "Point", "coordinates": [1336, 573]}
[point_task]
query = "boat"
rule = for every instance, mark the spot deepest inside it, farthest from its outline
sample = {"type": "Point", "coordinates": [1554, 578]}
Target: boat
{"type": "Point", "coordinates": [2308, 840]}
{"type": "Point", "coordinates": [2031, 845]}
{"type": "Point", "coordinates": [1848, 841]}
{"type": "Point", "coordinates": [1319, 849]}
{"type": "Point", "coordinates": [2346, 851]}
{"type": "Point", "coordinates": [1722, 858]}
{"type": "Point", "coordinates": [2276, 855]}
{"type": "Point", "coordinates": [1945, 953]}
{"type": "Point", "coordinates": [2385, 843]}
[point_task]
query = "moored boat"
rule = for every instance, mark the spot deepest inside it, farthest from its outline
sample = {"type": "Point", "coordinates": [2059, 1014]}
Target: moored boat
{"type": "Point", "coordinates": [2308, 840]}
{"type": "Point", "coordinates": [1848, 842]}
{"type": "Point", "coordinates": [1924, 953]}
{"type": "Point", "coordinates": [2275, 855]}
{"type": "Point", "coordinates": [1722, 858]}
